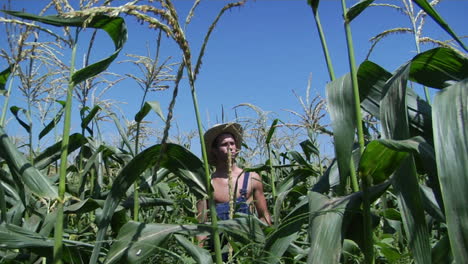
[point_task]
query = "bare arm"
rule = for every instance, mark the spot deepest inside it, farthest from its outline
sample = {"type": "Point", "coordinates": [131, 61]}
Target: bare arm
{"type": "Point", "coordinates": [202, 216]}
{"type": "Point", "coordinates": [259, 199]}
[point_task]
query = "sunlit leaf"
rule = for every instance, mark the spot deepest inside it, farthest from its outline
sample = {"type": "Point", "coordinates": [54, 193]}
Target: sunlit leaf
{"type": "Point", "coordinates": [271, 131]}
{"type": "Point", "coordinates": [52, 153]}
{"type": "Point", "coordinates": [424, 5]}
{"type": "Point", "coordinates": [53, 122]}
{"type": "Point", "coordinates": [176, 159]}
{"type": "Point", "coordinates": [378, 162]}
{"type": "Point", "coordinates": [146, 108]}
{"type": "Point", "coordinates": [357, 9]}
{"type": "Point", "coordinates": [451, 147]}
{"type": "Point", "coordinates": [88, 118]}
{"type": "Point", "coordinates": [395, 125]}
{"type": "Point", "coordinates": [438, 67]}
{"type": "Point", "coordinates": [341, 108]}
{"type": "Point", "coordinates": [201, 256]}
{"type": "Point", "coordinates": [16, 111]}
{"type": "Point", "coordinates": [31, 177]}
{"type": "Point", "coordinates": [114, 26]}
{"type": "Point", "coordinates": [3, 79]}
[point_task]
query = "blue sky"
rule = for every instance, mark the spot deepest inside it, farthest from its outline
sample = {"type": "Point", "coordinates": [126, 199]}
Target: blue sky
{"type": "Point", "coordinates": [260, 53]}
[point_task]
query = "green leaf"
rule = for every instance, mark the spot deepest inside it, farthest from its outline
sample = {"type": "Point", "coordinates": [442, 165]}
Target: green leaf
{"type": "Point", "coordinates": [201, 256]}
{"type": "Point", "coordinates": [138, 241]}
{"type": "Point", "coordinates": [53, 122]}
{"type": "Point", "coordinates": [341, 107]}
{"type": "Point", "coordinates": [122, 133]}
{"type": "Point", "coordinates": [87, 119]}
{"type": "Point", "coordinates": [177, 159]}
{"type": "Point", "coordinates": [271, 131]}
{"type": "Point", "coordinates": [31, 177]}
{"type": "Point", "coordinates": [15, 237]}
{"type": "Point", "coordinates": [114, 26]}
{"type": "Point", "coordinates": [52, 153]}
{"type": "Point", "coordinates": [314, 4]}
{"type": "Point", "coordinates": [3, 79]}
{"type": "Point", "coordinates": [395, 125]}
{"type": "Point", "coordinates": [424, 5]}
{"type": "Point", "coordinates": [438, 67]}
{"type": "Point", "coordinates": [378, 162]}
{"type": "Point", "coordinates": [357, 9]}
{"type": "Point", "coordinates": [450, 114]}
{"type": "Point", "coordinates": [16, 111]}
{"type": "Point", "coordinates": [329, 220]}
{"type": "Point", "coordinates": [372, 80]}
{"type": "Point", "coordinates": [145, 110]}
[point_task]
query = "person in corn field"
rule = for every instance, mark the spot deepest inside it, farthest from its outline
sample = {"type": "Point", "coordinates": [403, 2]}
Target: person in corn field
{"type": "Point", "coordinates": [248, 187]}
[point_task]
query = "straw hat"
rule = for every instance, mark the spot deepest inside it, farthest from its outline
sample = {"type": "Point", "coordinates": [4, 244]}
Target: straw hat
{"type": "Point", "coordinates": [210, 136]}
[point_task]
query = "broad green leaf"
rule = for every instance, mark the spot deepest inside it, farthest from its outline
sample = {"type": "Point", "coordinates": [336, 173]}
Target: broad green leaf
{"type": "Point", "coordinates": [357, 9]}
{"type": "Point", "coordinates": [378, 162]}
{"type": "Point", "coordinates": [30, 176]}
{"type": "Point", "coordinates": [3, 79]}
{"type": "Point", "coordinates": [176, 159]}
{"type": "Point", "coordinates": [145, 110]}
{"type": "Point", "coordinates": [341, 108]}
{"type": "Point", "coordinates": [395, 125]}
{"type": "Point", "coordinates": [441, 252]}
{"type": "Point", "coordinates": [424, 5]}
{"type": "Point", "coordinates": [372, 79]}
{"type": "Point", "coordinates": [200, 255]}
{"type": "Point", "coordinates": [114, 26]}
{"type": "Point", "coordinates": [52, 153]}
{"type": "Point", "coordinates": [88, 118]}
{"type": "Point", "coordinates": [329, 220]}
{"type": "Point", "coordinates": [138, 241]}
{"type": "Point", "coordinates": [15, 237]}
{"type": "Point", "coordinates": [438, 67]}
{"type": "Point", "coordinates": [16, 111]}
{"type": "Point", "coordinates": [53, 122]}
{"type": "Point", "coordinates": [271, 131]}
{"type": "Point", "coordinates": [450, 114]}
{"type": "Point", "coordinates": [309, 148]}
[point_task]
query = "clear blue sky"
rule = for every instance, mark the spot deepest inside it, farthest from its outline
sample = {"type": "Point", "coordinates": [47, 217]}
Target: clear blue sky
{"type": "Point", "coordinates": [261, 52]}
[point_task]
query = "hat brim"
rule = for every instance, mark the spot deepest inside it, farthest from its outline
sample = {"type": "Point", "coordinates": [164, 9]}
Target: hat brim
{"type": "Point", "coordinates": [210, 136]}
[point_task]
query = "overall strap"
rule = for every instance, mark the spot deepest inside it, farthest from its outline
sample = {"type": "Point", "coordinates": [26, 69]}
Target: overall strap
{"type": "Point", "coordinates": [243, 191]}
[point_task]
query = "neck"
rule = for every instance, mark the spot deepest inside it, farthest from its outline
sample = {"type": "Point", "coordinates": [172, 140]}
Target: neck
{"type": "Point", "coordinates": [222, 170]}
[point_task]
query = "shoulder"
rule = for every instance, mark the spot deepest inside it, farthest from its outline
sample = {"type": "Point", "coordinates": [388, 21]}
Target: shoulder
{"type": "Point", "coordinates": [255, 179]}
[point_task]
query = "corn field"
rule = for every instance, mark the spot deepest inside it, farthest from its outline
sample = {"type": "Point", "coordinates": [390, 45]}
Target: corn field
{"type": "Point", "coordinates": [393, 192]}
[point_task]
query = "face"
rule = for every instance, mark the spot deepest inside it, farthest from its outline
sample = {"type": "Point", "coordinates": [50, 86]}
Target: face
{"type": "Point", "coordinates": [225, 142]}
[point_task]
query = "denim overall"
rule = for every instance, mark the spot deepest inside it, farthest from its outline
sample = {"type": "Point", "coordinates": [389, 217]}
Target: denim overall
{"type": "Point", "coordinates": [241, 206]}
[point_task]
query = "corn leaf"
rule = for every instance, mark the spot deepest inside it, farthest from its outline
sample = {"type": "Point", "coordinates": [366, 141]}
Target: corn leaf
{"type": "Point", "coordinates": [200, 255]}
{"type": "Point", "coordinates": [16, 111]}
{"type": "Point", "coordinates": [438, 67]}
{"type": "Point", "coordinates": [176, 159]}
{"type": "Point", "coordinates": [395, 125]}
{"type": "Point", "coordinates": [314, 4]}
{"type": "Point", "coordinates": [145, 110]}
{"type": "Point", "coordinates": [451, 147]}
{"type": "Point", "coordinates": [52, 153]}
{"type": "Point", "coordinates": [30, 176]}
{"type": "Point", "coordinates": [372, 79]}
{"type": "Point", "coordinates": [3, 79]}
{"type": "Point", "coordinates": [424, 5]}
{"type": "Point", "coordinates": [14, 237]}
{"type": "Point", "coordinates": [378, 162]}
{"type": "Point", "coordinates": [53, 122]}
{"type": "Point", "coordinates": [138, 241]}
{"type": "Point", "coordinates": [357, 9]}
{"type": "Point", "coordinates": [271, 131]}
{"type": "Point", "coordinates": [89, 117]}
{"type": "Point", "coordinates": [114, 26]}
{"type": "Point", "coordinates": [341, 107]}
{"type": "Point", "coordinates": [329, 221]}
